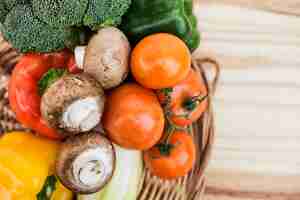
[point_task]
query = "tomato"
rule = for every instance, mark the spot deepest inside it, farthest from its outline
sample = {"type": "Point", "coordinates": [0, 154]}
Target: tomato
{"type": "Point", "coordinates": [133, 117]}
{"type": "Point", "coordinates": [173, 159]}
{"type": "Point", "coordinates": [186, 101]}
{"type": "Point", "coordinates": [160, 61]}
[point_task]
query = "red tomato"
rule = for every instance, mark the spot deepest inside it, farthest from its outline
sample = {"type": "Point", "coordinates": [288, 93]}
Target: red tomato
{"type": "Point", "coordinates": [133, 117]}
{"type": "Point", "coordinates": [186, 101]}
{"type": "Point", "coordinates": [173, 159]}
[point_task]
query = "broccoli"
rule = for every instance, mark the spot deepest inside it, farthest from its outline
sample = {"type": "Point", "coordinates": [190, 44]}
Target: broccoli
{"type": "Point", "coordinates": [3, 12]}
{"type": "Point", "coordinates": [10, 4]}
{"type": "Point", "coordinates": [28, 34]}
{"type": "Point", "coordinates": [92, 13]}
{"type": "Point", "coordinates": [105, 12]}
{"type": "Point", "coordinates": [60, 13]}
{"type": "Point", "coordinates": [51, 25]}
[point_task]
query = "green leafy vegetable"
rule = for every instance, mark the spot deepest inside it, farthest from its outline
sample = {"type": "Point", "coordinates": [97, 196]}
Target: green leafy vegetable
{"type": "Point", "coordinates": [49, 78]}
{"type": "Point", "coordinates": [3, 11]}
{"type": "Point", "coordinates": [10, 4]}
{"type": "Point", "coordinates": [92, 13]}
{"type": "Point", "coordinates": [28, 34]}
{"type": "Point", "coordinates": [60, 13]}
{"type": "Point", "coordinates": [105, 13]}
{"type": "Point", "coordinates": [52, 25]}
{"type": "Point", "coordinates": [48, 188]}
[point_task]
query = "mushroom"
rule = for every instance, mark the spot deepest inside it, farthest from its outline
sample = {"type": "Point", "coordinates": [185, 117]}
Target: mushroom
{"type": "Point", "coordinates": [73, 104]}
{"type": "Point", "coordinates": [86, 163]}
{"type": "Point", "coordinates": [106, 57]}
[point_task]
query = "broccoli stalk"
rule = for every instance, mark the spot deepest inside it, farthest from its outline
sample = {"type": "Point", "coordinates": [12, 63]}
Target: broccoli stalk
{"type": "Point", "coordinates": [28, 34]}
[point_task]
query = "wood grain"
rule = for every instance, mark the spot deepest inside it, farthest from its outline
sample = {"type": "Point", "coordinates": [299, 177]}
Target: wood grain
{"type": "Point", "coordinates": [291, 7]}
{"type": "Point", "coordinates": [258, 103]}
{"type": "Point", "coordinates": [242, 38]}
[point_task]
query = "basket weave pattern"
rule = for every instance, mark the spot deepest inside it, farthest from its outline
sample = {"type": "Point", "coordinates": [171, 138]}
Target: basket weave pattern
{"type": "Point", "coordinates": [190, 187]}
{"type": "Point", "coordinates": [8, 58]}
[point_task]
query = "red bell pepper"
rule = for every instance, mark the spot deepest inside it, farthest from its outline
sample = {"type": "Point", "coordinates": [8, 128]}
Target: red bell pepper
{"type": "Point", "coordinates": [73, 67]}
{"type": "Point", "coordinates": [23, 89]}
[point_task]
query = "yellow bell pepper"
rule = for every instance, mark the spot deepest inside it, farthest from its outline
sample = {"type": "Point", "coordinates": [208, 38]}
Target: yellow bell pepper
{"type": "Point", "coordinates": [26, 163]}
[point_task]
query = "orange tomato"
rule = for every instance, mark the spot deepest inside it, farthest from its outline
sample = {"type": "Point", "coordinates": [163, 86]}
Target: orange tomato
{"type": "Point", "coordinates": [174, 159]}
{"type": "Point", "coordinates": [133, 117]}
{"type": "Point", "coordinates": [160, 61]}
{"type": "Point", "coordinates": [187, 101]}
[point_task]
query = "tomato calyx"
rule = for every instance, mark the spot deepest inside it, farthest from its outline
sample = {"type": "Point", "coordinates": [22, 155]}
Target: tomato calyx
{"type": "Point", "coordinates": [165, 148]}
{"type": "Point", "coordinates": [190, 104]}
{"type": "Point", "coordinates": [167, 91]}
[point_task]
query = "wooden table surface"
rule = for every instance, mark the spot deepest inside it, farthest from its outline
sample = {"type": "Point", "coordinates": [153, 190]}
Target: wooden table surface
{"type": "Point", "coordinates": [257, 42]}
{"type": "Point", "coordinates": [288, 7]}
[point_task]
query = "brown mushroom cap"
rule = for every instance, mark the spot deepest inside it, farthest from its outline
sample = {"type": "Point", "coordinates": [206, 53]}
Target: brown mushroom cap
{"type": "Point", "coordinates": [107, 57]}
{"type": "Point", "coordinates": [65, 92]}
{"type": "Point", "coordinates": [86, 163]}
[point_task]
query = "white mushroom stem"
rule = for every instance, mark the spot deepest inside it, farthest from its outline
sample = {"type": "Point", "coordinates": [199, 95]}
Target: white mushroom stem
{"type": "Point", "coordinates": [83, 114]}
{"type": "Point", "coordinates": [79, 56]}
{"type": "Point", "coordinates": [92, 167]}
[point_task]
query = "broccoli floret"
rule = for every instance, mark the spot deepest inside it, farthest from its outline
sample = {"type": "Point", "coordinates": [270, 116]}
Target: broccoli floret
{"type": "Point", "coordinates": [105, 12]}
{"type": "Point", "coordinates": [92, 13]}
{"type": "Point", "coordinates": [3, 12]}
{"type": "Point", "coordinates": [7, 5]}
{"type": "Point", "coordinates": [10, 4]}
{"type": "Point", "coordinates": [60, 13]}
{"type": "Point", "coordinates": [28, 34]}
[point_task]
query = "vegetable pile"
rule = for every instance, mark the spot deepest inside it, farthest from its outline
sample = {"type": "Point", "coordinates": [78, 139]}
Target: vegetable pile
{"type": "Point", "coordinates": [112, 83]}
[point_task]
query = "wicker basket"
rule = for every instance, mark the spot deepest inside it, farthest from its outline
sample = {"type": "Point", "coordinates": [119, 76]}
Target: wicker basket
{"type": "Point", "coordinates": [190, 187]}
